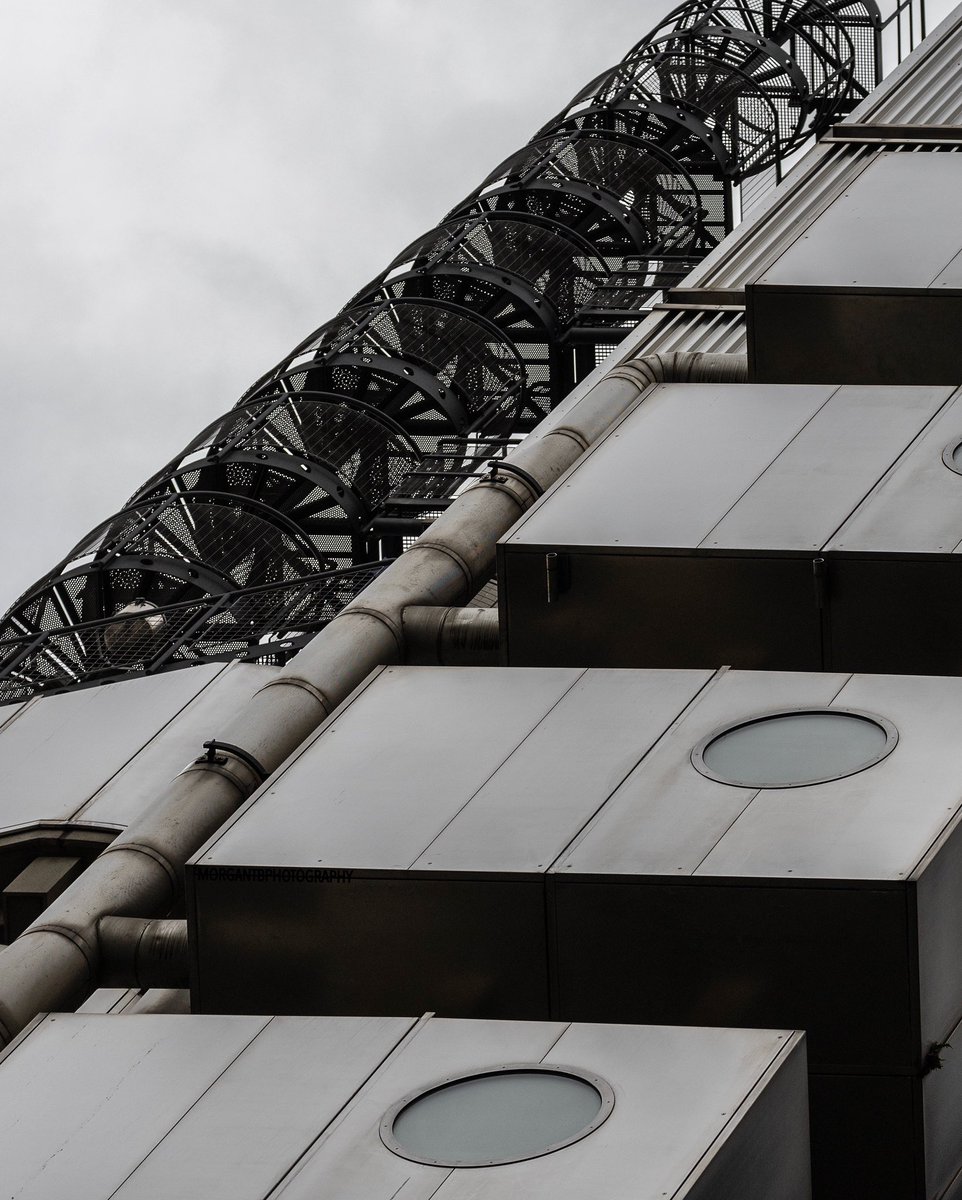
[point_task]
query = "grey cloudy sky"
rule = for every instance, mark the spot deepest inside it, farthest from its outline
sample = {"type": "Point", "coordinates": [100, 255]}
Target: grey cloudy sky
{"type": "Point", "coordinates": [190, 186]}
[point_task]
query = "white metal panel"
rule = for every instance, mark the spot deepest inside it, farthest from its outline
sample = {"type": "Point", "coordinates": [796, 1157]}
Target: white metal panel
{"type": "Point", "coordinates": [896, 226]}
{"type": "Point", "coordinates": [61, 749]}
{"type": "Point", "coordinates": [388, 773]}
{"type": "Point", "coordinates": [176, 745]}
{"type": "Point", "coordinates": [247, 1130]}
{"type": "Point", "coordinates": [567, 767]}
{"type": "Point", "coordinates": [824, 473]}
{"type": "Point", "coordinates": [679, 1095]}
{"type": "Point", "coordinates": [350, 1162]}
{"type": "Point", "coordinates": [137, 1077]}
{"type": "Point", "coordinates": [876, 824]}
{"type": "Point", "coordinates": [917, 506]}
{"type": "Point", "coordinates": [666, 817]}
{"type": "Point", "coordinates": [671, 470]}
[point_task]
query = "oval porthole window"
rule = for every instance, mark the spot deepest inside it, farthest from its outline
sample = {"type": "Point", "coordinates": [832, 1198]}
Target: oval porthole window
{"type": "Point", "coordinates": [515, 1112]}
{"type": "Point", "coordinates": [952, 456]}
{"type": "Point", "coordinates": [795, 747]}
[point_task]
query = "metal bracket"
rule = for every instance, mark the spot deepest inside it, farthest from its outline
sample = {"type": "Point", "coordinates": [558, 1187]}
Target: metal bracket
{"type": "Point", "coordinates": [499, 464]}
{"type": "Point", "coordinates": [220, 760]}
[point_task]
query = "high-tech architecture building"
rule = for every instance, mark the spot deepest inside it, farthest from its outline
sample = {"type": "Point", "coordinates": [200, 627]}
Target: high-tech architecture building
{"type": "Point", "coordinates": [514, 750]}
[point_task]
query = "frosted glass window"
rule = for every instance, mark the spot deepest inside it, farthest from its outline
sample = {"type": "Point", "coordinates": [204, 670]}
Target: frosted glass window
{"type": "Point", "coordinates": [791, 749]}
{"type": "Point", "coordinates": [502, 1117]}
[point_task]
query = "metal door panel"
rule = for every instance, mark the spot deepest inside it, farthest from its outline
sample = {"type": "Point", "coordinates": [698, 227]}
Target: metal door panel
{"type": "Point", "coordinates": [831, 960]}
{"type": "Point", "coordinates": [874, 825]}
{"type": "Point", "coordinates": [265, 1110]}
{"type": "Point", "coordinates": [667, 816]}
{"type": "Point", "coordinates": [539, 799]}
{"type": "Point", "coordinates": [387, 775]}
{"type": "Point", "coordinates": [61, 749]}
{"type": "Point", "coordinates": [897, 225]}
{"type": "Point", "coordinates": [917, 506]}
{"type": "Point", "coordinates": [175, 746]}
{"type": "Point", "coordinates": [671, 611]}
{"type": "Point", "coordinates": [825, 472]}
{"type": "Point", "coordinates": [459, 946]}
{"type": "Point", "coordinates": [350, 1162]}
{"type": "Point", "coordinates": [142, 1074]}
{"type": "Point", "coordinates": [672, 469]}
{"type": "Point", "coordinates": [680, 1097]}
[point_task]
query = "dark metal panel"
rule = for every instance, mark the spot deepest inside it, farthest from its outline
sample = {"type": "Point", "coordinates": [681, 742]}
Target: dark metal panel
{"type": "Point", "coordinates": [896, 614]}
{"type": "Point", "coordinates": [938, 899]}
{"type": "Point", "coordinates": [874, 825]}
{"type": "Point", "coordinates": [139, 1077]}
{"type": "Point", "coordinates": [633, 610]}
{"type": "Point", "coordinates": [536, 802]}
{"type": "Point", "coordinates": [357, 944]}
{"type": "Point", "coordinates": [666, 816]}
{"type": "Point", "coordinates": [351, 1163]}
{"type": "Point", "coordinates": [687, 1103]}
{"type": "Point", "coordinates": [668, 473]}
{"type": "Point", "coordinates": [897, 225]}
{"type": "Point", "coordinates": [439, 733]}
{"type": "Point", "coordinates": [831, 960]}
{"type": "Point", "coordinates": [96, 730]}
{"type": "Point", "coordinates": [866, 1137]}
{"type": "Point", "coordinates": [266, 1109]}
{"type": "Point", "coordinates": [853, 336]}
{"type": "Point", "coordinates": [175, 746]}
{"type": "Point", "coordinates": [825, 472]}
{"type": "Point", "coordinates": [941, 1105]}
{"type": "Point", "coordinates": [917, 506]}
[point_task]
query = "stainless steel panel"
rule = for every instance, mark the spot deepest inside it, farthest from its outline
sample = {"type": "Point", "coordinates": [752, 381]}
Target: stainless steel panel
{"type": "Point", "coordinates": [666, 817]}
{"type": "Point", "coordinates": [827, 470]}
{"type": "Point", "coordinates": [917, 506]}
{"type": "Point", "coordinates": [681, 610]}
{"type": "Point", "coordinates": [96, 731]}
{"type": "Point", "coordinates": [874, 825]}
{"type": "Point", "coordinates": [176, 745]}
{"type": "Point", "coordinates": [384, 777]}
{"type": "Point", "coordinates": [350, 1162]}
{"type": "Point", "coordinates": [139, 1077]}
{"type": "Point", "coordinates": [896, 226]}
{"type": "Point", "coordinates": [671, 469]}
{"type": "Point", "coordinates": [561, 774]}
{"type": "Point", "coordinates": [266, 1109]}
{"type": "Point", "coordinates": [682, 1122]}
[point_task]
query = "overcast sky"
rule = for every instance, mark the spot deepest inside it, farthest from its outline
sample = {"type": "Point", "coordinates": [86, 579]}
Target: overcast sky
{"type": "Point", "coordinates": [190, 186]}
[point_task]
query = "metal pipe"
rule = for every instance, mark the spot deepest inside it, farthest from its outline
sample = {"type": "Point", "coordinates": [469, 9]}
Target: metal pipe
{"type": "Point", "coordinates": [142, 953]}
{"type": "Point", "coordinates": [57, 959]}
{"type": "Point", "coordinates": [451, 637]}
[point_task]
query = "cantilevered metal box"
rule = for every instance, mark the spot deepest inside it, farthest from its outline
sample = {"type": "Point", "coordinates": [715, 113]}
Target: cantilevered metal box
{"type": "Point", "coordinates": [871, 290]}
{"type": "Point", "coordinates": [778, 527]}
{"type": "Point", "coordinates": [532, 843]}
{"type": "Point", "coordinates": [246, 1108]}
